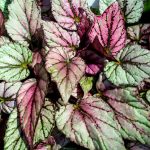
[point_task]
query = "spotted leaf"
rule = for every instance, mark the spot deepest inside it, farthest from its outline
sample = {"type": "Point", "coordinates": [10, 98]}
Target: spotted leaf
{"type": "Point", "coordinates": [24, 20]}
{"type": "Point", "coordinates": [91, 124]}
{"type": "Point", "coordinates": [132, 9]}
{"type": "Point", "coordinates": [8, 92]}
{"type": "Point", "coordinates": [30, 100]}
{"type": "Point", "coordinates": [65, 71]}
{"type": "Point", "coordinates": [132, 114]}
{"type": "Point", "coordinates": [132, 66]}
{"type": "Point", "coordinates": [108, 33]}
{"type": "Point", "coordinates": [14, 61]}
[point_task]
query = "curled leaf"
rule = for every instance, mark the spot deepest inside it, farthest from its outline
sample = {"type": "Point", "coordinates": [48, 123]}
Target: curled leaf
{"type": "Point", "coordinates": [108, 33]}
{"type": "Point", "coordinates": [14, 61]}
{"type": "Point", "coordinates": [65, 71]}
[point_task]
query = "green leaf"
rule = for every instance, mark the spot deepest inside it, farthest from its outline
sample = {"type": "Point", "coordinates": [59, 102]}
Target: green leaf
{"type": "Point", "coordinates": [13, 139]}
{"type": "Point", "coordinates": [148, 95]}
{"type": "Point", "coordinates": [104, 4]}
{"type": "Point", "coordinates": [132, 67]}
{"type": "Point", "coordinates": [132, 114]}
{"type": "Point", "coordinates": [14, 60]}
{"type": "Point", "coordinates": [45, 123]}
{"type": "Point", "coordinates": [4, 6]}
{"type": "Point", "coordinates": [24, 20]}
{"type": "Point", "coordinates": [86, 83]}
{"type": "Point", "coordinates": [132, 9]}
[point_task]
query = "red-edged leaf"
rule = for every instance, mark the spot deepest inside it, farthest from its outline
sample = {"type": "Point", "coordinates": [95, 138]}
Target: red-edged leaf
{"type": "Point", "coordinates": [56, 36]}
{"type": "Point", "coordinates": [70, 15]}
{"type": "Point", "coordinates": [1, 23]}
{"type": "Point", "coordinates": [91, 124]}
{"type": "Point", "coordinates": [132, 114]}
{"type": "Point", "coordinates": [8, 92]}
{"type": "Point", "coordinates": [65, 71]}
{"type": "Point", "coordinates": [30, 100]}
{"type": "Point", "coordinates": [109, 31]}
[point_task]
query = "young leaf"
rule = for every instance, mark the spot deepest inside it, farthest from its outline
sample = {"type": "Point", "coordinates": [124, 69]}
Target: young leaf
{"type": "Point", "coordinates": [91, 124]}
{"type": "Point", "coordinates": [30, 100]}
{"type": "Point", "coordinates": [56, 36]}
{"type": "Point", "coordinates": [24, 20]}
{"type": "Point", "coordinates": [104, 4]}
{"type": "Point", "coordinates": [108, 33]}
{"type": "Point", "coordinates": [132, 67]}
{"type": "Point", "coordinates": [132, 9]}
{"type": "Point", "coordinates": [14, 59]}
{"type": "Point", "coordinates": [86, 83]}
{"type": "Point", "coordinates": [132, 114]}
{"type": "Point", "coordinates": [65, 71]}
{"type": "Point", "coordinates": [8, 93]}
{"type": "Point", "coordinates": [13, 139]}
{"type": "Point", "coordinates": [67, 12]}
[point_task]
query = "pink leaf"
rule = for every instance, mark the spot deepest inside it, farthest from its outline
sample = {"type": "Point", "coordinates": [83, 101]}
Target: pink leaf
{"type": "Point", "coordinates": [56, 36]}
{"type": "Point", "coordinates": [94, 62]}
{"type": "Point", "coordinates": [69, 15]}
{"type": "Point", "coordinates": [8, 92]}
{"type": "Point", "coordinates": [65, 71]}
{"type": "Point", "coordinates": [90, 123]}
{"type": "Point", "coordinates": [30, 100]}
{"type": "Point", "coordinates": [109, 29]}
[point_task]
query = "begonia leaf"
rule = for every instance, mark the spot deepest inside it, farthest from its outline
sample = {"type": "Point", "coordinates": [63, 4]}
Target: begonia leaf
{"type": "Point", "coordinates": [90, 123]}
{"type": "Point", "coordinates": [8, 92]}
{"type": "Point", "coordinates": [108, 33]}
{"type": "Point", "coordinates": [24, 20]}
{"type": "Point", "coordinates": [65, 71]}
{"type": "Point", "coordinates": [104, 4]}
{"type": "Point", "coordinates": [86, 83]}
{"type": "Point", "coordinates": [132, 67]}
{"type": "Point", "coordinates": [13, 139]}
{"type": "Point", "coordinates": [4, 6]}
{"type": "Point", "coordinates": [72, 14]}
{"type": "Point", "coordinates": [132, 114]}
{"type": "Point", "coordinates": [132, 9]}
{"type": "Point", "coordinates": [4, 40]}
{"type": "Point", "coordinates": [30, 100]}
{"type": "Point", "coordinates": [14, 61]}
{"type": "Point", "coordinates": [56, 36]}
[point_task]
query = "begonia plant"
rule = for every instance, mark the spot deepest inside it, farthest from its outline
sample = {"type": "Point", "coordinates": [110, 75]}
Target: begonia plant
{"type": "Point", "coordinates": [72, 78]}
